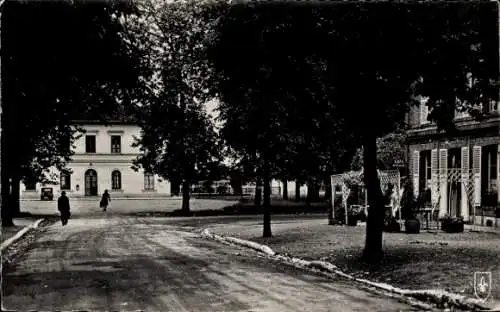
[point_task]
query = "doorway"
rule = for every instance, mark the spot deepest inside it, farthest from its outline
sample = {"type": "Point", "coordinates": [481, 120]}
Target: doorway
{"type": "Point", "coordinates": [91, 183]}
{"type": "Point", "coordinates": [455, 185]}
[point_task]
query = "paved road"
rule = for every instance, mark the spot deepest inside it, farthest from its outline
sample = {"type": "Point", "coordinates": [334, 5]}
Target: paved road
{"type": "Point", "coordinates": [126, 264]}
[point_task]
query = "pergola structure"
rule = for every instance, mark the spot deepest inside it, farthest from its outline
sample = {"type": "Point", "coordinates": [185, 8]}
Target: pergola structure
{"type": "Point", "coordinates": [387, 177]}
{"type": "Point", "coordinates": [441, 188]}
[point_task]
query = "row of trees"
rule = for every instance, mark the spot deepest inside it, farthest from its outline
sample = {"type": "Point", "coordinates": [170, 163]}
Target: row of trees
{"type": "Point", "coordinates": [291, 106]}
{"type": "Point", "coordinates": [283, 89]}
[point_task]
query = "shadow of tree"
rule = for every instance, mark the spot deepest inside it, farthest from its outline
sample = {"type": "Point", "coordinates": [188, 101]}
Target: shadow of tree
{"type": "Point", "coordinates": [144, 281]}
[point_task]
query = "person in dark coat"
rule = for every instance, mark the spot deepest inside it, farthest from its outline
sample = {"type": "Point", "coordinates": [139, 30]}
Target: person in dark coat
{"type": "Point", "coordinates": [63, 207]}
{"type": "Point", "coordinates": [105, 200]}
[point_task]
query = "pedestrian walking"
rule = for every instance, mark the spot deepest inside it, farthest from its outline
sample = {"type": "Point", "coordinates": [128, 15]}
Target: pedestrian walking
{"type": "Point", "coordinates": [105, 200]}
{"type": "Point", "coordinates": [63, 207]}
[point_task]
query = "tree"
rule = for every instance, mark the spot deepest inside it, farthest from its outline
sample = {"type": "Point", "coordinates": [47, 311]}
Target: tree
{"type": "Point", "coordinates": [250, 102]}
{"type": "Point", "coordinates": [380, 58]}
{"type": "Point", "coordinates": [60, 60]}
{"type": "Point", "coordinates": [271, 107]}
{"type": "Point", "coordinates": [393, 53]}
{"type": "Point", "coordinates": [390, 150]}
{"type": "Point", "coordinates": [178, 136]}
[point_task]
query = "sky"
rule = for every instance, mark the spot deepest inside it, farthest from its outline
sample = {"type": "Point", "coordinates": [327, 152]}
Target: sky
{"type": "Point", "coordinates": [210, 107]}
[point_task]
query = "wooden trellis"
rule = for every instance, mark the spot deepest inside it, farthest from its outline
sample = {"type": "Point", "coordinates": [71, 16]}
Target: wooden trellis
{"type": "Point", "coordinates": [386, 177]}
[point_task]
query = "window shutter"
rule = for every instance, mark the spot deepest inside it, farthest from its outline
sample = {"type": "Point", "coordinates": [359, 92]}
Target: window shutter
{"type": "Point", "coordinates": [465, 164]}
{"type": "Point", "coordinates": [434, 169]}
{"type": "Point", "coordinates": [416, 172]}
{"type": "Point", "coordinates": [443, 188]}
{"type": "Point", "coordinates": [465, 177]}
{"type": "Point", "coordinates": [465, 159]}
{"type": "Point", "coordinates": [476, 170]}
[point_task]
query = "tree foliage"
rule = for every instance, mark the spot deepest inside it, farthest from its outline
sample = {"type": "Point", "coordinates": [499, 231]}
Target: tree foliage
{"type": "Point", "coordinates": [60, 61]}
{"type": "Point", "coordinates": [286, 83]}
{"type": "Point", "coordinates": [391, 150]}
{"type": "Point", "coordinates": [178, 136]}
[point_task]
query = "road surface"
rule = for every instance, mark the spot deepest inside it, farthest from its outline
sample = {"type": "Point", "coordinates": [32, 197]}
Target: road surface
{"type": "Point", "coordinates": [126, 264]}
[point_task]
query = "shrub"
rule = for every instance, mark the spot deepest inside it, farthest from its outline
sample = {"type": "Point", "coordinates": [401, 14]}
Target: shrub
{"type": "Point", "coordinates": [452, 224]}
{"type": "Point", "coordinates": [391, 224]}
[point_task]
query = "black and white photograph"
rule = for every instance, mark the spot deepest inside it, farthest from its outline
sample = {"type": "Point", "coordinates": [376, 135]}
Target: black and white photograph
{"type": "Point", "coordinates": [250, 155]}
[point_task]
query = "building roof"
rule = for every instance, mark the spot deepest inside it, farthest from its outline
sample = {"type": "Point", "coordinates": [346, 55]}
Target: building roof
{"type": "Point", "coordinates": [102, 122]}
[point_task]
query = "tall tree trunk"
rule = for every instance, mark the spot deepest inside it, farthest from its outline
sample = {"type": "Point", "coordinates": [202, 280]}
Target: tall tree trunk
{"type": "Point", "coordinates": [185, 197]}
{"type": "Point", "coordinates": [285, 189]}
{"type": "Point", "coordinates": [297, 190]}
{"type": "Point", "coordinates": [375, 221]}
{"type": "Point", "coordinates": [328, 189]}
{"type": "Point", "coordinates": [15, 205]}
{"type": "Point", "coordinates": [329, 201]}
{"type": "Point", "coordinates": [309, 193]}
{"type": "Point", "coordinates": [5, 194]}
{"type": "Point", "coordinates": [312, 192]}
{"type": "Point", "coordinates": [267, 200]}
{"type": "Point", "coordinates": [4, 179]}
{"type": "Point", "coordinates": [258, 193]}
{"type": "Point", "coordinates": [175, 188]}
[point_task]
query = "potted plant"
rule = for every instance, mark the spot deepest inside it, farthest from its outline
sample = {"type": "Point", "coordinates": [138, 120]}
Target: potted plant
{"type": "Point", "coordinates": [352, 218]}
{"type": "Point", "coordinates": [391, 225]}
{"type": "Point", "coordinates": [451, 224]}
{"type": "Point", "coordinates": [409, 209]}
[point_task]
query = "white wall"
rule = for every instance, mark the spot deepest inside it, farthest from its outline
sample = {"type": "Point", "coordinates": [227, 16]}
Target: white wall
{"type": "Point", "coordinates": [104, 163]}
{"type": "Point", "coordinates": [103, 138]}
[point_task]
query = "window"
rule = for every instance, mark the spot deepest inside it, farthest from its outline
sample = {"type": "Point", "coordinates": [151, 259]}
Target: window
{"type": "Point", "coordinates": [425, 170]}
{"type": "Point", "coordinates": [149, 182]}
{"type": "Point", "coordinates": [90, 144]}
{"type": "Point", "coordinates": [116, 146]}
{"type": "Point", "coordinates": [30, 185]}
{"type": "Point", "coordinates": [65, 180]}
{"type": "Point", "coordinates": [116, 180]}
{"type": "Point", "coordinates": [489, 187]}
{"type": "Point", "coordinates": [492, 171]}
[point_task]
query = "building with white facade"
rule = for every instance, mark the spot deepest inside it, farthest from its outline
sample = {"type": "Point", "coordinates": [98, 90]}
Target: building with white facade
{"type": "Point", "coordinates": [102, 161]}
{"type": "Point", "coordinates": [460, 170]}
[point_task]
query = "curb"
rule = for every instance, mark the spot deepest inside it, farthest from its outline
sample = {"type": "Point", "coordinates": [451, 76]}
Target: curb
{"type": "Point", "coordinates": [20, 234]}
{"type": "Point", "coordinates": [434, 296]}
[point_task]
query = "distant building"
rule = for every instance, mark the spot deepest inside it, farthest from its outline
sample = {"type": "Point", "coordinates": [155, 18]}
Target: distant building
{"type": "Point", "coordinates": [102, 161]}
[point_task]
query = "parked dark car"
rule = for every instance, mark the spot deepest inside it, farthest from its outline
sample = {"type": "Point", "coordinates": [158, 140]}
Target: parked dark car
{"type": "Point", "coordinates": [47, 193]}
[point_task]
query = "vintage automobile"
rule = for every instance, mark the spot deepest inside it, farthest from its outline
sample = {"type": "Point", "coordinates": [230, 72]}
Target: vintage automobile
{"type": "Point", "coordinates": [47, 193]}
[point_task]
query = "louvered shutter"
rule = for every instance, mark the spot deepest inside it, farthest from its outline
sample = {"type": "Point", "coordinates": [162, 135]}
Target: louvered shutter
{"type": "Point", "coordinates": [476, 169]}
{"type": "Point", "coordinates": [465, 177]}
{"type": "Point", "coordinates": [443, 188]}
{"type": "Point", "coordinates": [416, 172]}
{"type": "Point", "coordinates": [434, 176]}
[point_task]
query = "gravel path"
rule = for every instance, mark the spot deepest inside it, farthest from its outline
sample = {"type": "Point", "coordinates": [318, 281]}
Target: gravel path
{"type": "Point", "coordinates": [124, 264]}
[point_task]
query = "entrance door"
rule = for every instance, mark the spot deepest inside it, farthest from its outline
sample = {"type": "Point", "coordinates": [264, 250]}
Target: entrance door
{"type": "Point", "coordinates": [90, 183]}
{"type": "Point", "coordinates": [455, 186]}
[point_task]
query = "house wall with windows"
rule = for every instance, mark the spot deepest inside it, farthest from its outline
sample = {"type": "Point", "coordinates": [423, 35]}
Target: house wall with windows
{"type": "Point", "coordinates": [441, 162]}
{"type": "Point", "coordinates": [102, 161]}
